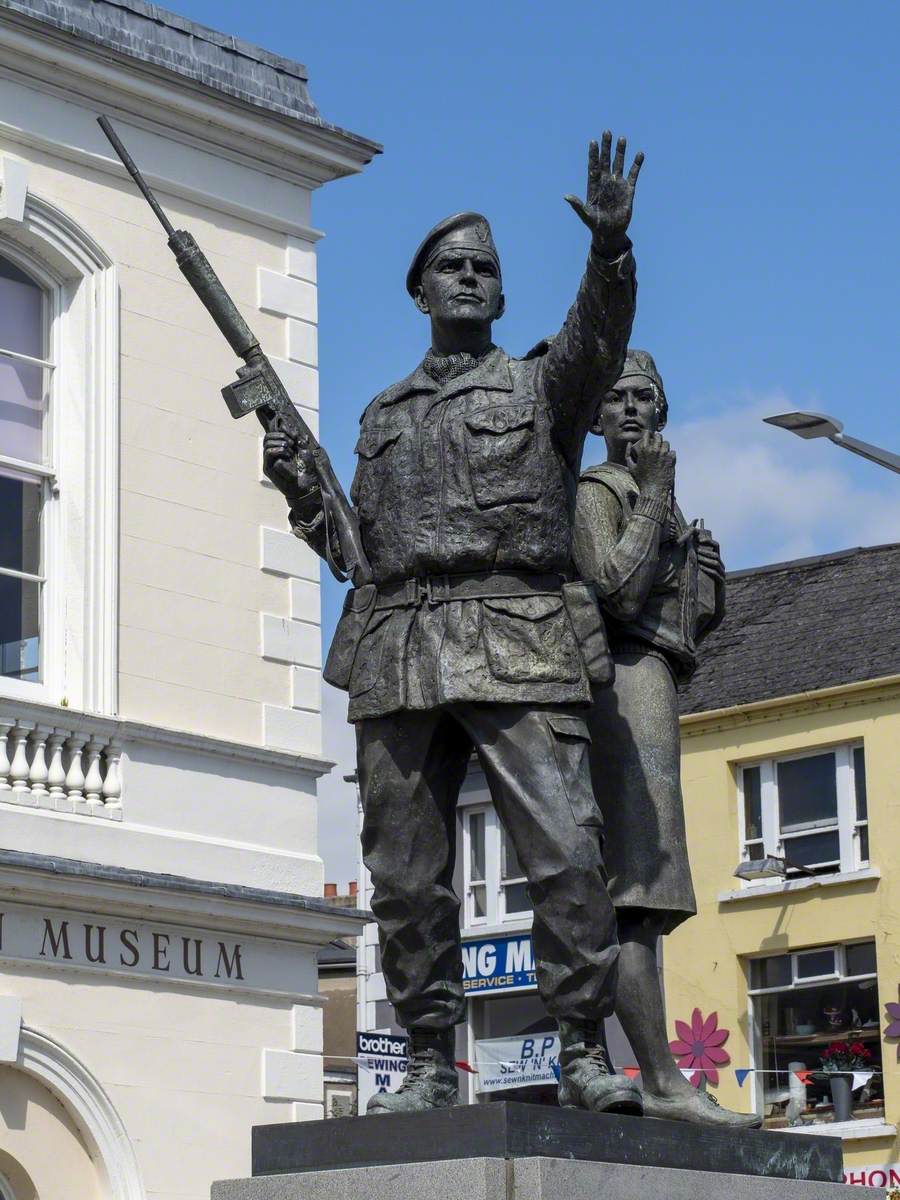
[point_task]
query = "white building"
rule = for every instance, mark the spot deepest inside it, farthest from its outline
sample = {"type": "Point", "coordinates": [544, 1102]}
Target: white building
{"type": "Point", "coordinates": [160, 741]}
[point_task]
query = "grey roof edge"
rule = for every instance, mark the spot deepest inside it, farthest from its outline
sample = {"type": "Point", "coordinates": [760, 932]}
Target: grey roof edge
{"type": "Point", "coordinates": [791, 564]}
{"type": "Point", "coordinates": [156, 38]}
{"type": "Point", "coordinates": [152, 881]}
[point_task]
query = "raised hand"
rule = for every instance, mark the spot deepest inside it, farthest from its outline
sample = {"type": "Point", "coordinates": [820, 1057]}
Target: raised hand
{"type": "Point", "coordinates": [652, 464]}
{"type": "Point", "coordinates": [610, 195]}
{"type": "Point", "coordinates": [291, 470]}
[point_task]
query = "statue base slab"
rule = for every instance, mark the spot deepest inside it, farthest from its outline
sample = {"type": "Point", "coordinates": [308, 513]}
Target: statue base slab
{"type": "Point", "coordinates": [532, 1152]}
{"type": "Point", "coordinates": [528, 1179]}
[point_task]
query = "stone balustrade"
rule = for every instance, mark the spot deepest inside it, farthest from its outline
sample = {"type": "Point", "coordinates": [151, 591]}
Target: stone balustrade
{"type": "Point", "coordinates": [65, 761]}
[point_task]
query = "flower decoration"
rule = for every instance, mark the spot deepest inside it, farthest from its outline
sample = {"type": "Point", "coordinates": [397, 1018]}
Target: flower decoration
{"type": "Point", "coordinates": [841, 1056]}
{"type": "Point", "coordinates": [892, 1014]}
{"type": "Point", "coordinates": [699, 1045]}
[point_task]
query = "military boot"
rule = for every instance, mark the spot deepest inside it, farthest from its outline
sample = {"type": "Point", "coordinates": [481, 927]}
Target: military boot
{"type": "Point", "coordinates": [586, 1078]}
{"type": "Point", "coordinates": [431, 1080]}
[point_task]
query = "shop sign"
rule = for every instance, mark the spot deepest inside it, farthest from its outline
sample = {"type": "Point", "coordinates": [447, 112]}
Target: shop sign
{"type": "Point", "coordinates": [515, 1062]}
{"type": "Point", "coordinates": [500, 964]}
{"type": "Point", "coordinates": [381, 1062]}
{"type": "Point", "coordinates": [874, 1177]}
{"type": "Point", "coordinates": [97, 942]}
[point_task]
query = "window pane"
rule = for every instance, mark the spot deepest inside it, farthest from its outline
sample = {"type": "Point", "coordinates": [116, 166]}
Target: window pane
{"type": "Point", "coordinates": [517, 898]}
{"type": "Point", "coordinates": [476, 846]}
{"type": "Point", "coordinates": [752, 804]}
{"type": "Point", "coordinates": [21, 384]}
{"type": "Point", "coordinates": [814, 849]}
{"type": "Point", "coordinates": [479, 905]}
{"type": "Point", "coordinates": [20, 528]}
{"type": "Point", "coordinates": [864, 843]}
{"type": "Point", "coordinates": [807, 792]}
{"type": "Point", "coordinates": [795, 1026]}
{"type": "Point", "coordinates": [511, 867]}
{"type": "Point", "coordinates": [21, 312]}
{"type": "Point", "coordinates": [771, 972]}
{"type": "Point", "coordinates": [859, 781]}
{"type": "Point", "coordinates": [755, 851]}
{"type": "Point", "coordinates": [19, 628]}
{"type": "Point", "coordinates": [815, 963]}
{"type": "Point", "coordinates": [861, 959]}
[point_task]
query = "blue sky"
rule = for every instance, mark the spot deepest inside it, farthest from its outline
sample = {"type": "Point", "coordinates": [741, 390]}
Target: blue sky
{"type": "Point", "coordinates": [765, 228]}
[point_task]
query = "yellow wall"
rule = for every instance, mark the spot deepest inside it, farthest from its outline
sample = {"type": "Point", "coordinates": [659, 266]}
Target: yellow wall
{"type": "Point", "coordinates": [703, 959]}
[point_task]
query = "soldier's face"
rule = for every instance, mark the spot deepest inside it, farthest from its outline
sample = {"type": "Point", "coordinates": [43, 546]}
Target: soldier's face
{"type": "Point", "coordinates": [461, 286]}
{"type": "Point", "coordinates": [627, 412]}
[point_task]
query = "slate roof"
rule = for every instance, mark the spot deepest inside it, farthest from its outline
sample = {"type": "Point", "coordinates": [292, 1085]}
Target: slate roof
{"type": "Point", "coordinates": [156, 37]}
{"type": "Point", "coordinates": [800, 626]}
{"type": "Point", "coordinates": [338, 953]}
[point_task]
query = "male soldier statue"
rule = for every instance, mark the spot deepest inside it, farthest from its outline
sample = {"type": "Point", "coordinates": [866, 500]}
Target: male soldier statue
{"type": "Point", "coordinates": [471, 638]}
{"type": "Point", "coordinates": [661, 585]}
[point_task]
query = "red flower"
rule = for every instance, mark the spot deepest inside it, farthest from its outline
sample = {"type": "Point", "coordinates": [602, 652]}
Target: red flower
{"type": "Point", "coordinates": [699, 1045]}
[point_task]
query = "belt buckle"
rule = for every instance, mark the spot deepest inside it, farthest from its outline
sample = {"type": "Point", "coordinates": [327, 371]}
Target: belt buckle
{"type": "Point", "coordinates": [427, 593]}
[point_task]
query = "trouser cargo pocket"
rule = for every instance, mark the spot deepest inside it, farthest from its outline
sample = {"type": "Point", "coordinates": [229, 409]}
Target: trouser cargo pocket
{"type": "Point", "coordinates": [571, 745]}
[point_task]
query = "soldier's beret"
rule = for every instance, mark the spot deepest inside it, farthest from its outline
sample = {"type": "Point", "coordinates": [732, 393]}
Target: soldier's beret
{"type": "Point", "coordinates": [639, 362]}
{"type": "Point", "coordinates": [468, 229]}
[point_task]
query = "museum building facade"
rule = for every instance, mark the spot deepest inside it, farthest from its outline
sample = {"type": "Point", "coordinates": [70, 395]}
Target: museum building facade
{"type": "Point", "coordinates": [790, 772]}
{"type": "Point", "coordinates": [161, 900]}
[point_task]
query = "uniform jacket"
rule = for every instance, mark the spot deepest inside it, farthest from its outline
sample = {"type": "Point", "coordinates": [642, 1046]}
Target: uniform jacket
{"type": "Point", "coordinates": [652, 591]}
{"type": "Point", "coordinates": [477, 474]}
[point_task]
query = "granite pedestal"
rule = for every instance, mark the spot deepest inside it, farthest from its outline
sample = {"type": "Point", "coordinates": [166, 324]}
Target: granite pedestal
{"type": "Point", "coordinates": [528, 1152]}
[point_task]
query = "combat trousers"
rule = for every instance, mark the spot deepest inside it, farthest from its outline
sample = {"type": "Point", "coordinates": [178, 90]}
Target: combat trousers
{"type": "Point", "coordinates": [535, 758]}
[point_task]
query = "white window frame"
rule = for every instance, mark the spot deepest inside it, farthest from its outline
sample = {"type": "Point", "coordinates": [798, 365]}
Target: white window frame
{"type": "Point", "coordinates": [80, 526]}
{"type": "Point", "coordinates": [797, 984]}
{"type": "Point", "coordinates": [494, 884]}
{"type": "Point", "coordinates": [773, 840]}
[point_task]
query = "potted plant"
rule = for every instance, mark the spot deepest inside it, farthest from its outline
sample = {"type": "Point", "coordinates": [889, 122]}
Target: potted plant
{"type": "Point", "coordinates": [839, 1061]}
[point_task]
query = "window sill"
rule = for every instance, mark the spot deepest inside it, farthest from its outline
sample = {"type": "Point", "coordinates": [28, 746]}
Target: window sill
{"type": "Point", "coordinates": [848, 1131]}
{"type": "Point", "coordinates": [759, 891]}
{"type": "Point", "coordinates": [518, 924]}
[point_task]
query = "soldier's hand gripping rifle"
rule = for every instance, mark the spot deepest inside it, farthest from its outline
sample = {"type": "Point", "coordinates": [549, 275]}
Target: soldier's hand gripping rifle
{"type": "Point", "coordinates": [257, 387]}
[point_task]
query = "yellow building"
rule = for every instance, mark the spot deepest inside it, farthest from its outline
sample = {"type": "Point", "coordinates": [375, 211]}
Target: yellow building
{"type": "Point", "coordinates": [791, 751]}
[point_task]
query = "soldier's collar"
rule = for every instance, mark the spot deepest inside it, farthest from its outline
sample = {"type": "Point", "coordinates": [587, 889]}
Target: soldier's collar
{"type": "Point", "coordinates": [490, 372]}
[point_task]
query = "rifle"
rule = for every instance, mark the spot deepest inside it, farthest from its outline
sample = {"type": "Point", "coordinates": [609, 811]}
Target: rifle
{"type": "Point", "coordinates": [257, 387]}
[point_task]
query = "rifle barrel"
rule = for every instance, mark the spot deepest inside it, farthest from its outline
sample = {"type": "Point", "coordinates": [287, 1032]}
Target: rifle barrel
{"type": "Point", "coordinates": [129, 165]}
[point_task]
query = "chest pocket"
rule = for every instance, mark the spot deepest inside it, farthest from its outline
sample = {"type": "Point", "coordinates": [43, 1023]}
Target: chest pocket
{"type": "Point", "coordinates": [374, 467]}
{"type": "Point", "coordinates": [502, 452]}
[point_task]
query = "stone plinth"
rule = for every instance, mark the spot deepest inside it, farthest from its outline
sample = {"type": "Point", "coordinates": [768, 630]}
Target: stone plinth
{"type": "Point", "coordinates": [528, 1179]}
{"type": "Point", "coordinates": [512, 1131]}
{"type": "Point", "coordinates": [528, 1152]}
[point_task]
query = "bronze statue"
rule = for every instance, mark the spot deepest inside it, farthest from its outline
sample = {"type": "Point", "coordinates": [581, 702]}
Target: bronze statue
{"type": "Point", "coordinates": [471, 635]}
{"type": "Point", "coordinates": [661, 584]}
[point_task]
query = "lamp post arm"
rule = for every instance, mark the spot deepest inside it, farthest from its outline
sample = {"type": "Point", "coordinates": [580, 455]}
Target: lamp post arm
{"type": "Point", "coordinates": [875, 454]}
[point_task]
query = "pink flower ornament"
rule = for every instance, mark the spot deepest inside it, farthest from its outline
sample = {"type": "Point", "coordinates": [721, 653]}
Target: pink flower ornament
{"type": "Point", "coordinates": [892, 1014]}
{"type": "Point", "coordinates": [699, 1046]}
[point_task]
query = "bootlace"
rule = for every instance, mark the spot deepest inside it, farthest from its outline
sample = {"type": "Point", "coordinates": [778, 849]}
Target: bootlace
{"type": "Point", "coordinates": [597, 1055]}
{"type": "Point", "coordinates": [417, 1068]}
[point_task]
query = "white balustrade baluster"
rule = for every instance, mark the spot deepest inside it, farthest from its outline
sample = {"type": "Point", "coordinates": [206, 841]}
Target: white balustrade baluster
{"type": "Point", "coordinates": [75, 774]}
{"type": "Point", "coordinates": [93, 780]}
{"type": "Point", "coordinates": [37, 776]}
{"type": "Point", "coordinates": [5, 727]}
{"type": "Point", "coordinates": [56, 774]}
{"type": "Point", "coordinates": [112, 783]}
{"type": "Point", "coordinates": [19, 769]}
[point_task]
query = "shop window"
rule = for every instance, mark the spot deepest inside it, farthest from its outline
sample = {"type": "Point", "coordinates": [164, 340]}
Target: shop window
{"type": "Point", "coordinates": [26, 472]}
{"type": "Point", "coordinates": [809, 809]}
{"type": "Point", "coordinates": [495, 886]}
{"type": "Point", "coordinates": [809, 1007]}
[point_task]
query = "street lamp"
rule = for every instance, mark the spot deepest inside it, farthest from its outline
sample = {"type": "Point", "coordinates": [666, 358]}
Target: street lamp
{"type": "Point", "coordinates": [818, 425]}
{"type": "Point", "coordinates": [769, 867]}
